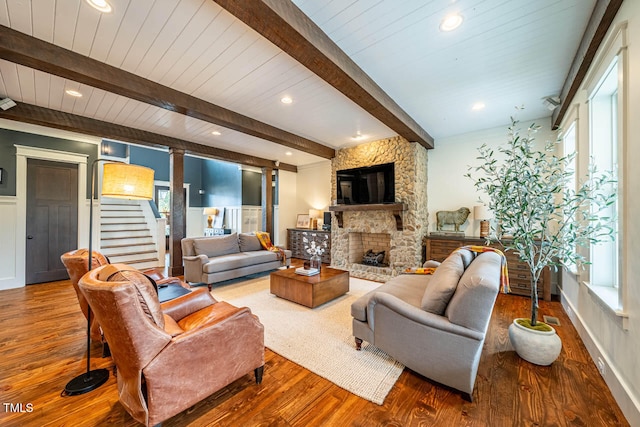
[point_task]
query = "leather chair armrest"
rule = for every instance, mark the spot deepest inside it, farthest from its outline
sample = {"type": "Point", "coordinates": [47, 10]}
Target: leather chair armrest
{"type": "Point", "coordinates": [417, 315]}
{"type": "Point", "coordinates": [185, 305]}
{"type": "Point", "coordinates": [161, 279]}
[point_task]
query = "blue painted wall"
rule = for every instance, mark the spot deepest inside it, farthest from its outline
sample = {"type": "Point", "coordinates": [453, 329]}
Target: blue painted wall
{"type": "Point", "coordinates": [222, 183]}
{"type": "Point", "coordinates": [8, 154]}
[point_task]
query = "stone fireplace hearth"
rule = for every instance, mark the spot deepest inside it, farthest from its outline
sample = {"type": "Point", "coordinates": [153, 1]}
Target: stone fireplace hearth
{"type": "Point", "coordinates": [380, 229]}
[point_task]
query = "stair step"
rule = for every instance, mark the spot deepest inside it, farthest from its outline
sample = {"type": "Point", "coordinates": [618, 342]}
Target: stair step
{"type": "Point", "coordinates": [132, 257]}
{"type": "Point", "coordinates": [113, 201]}
{"type": "Point", "coordinates": [123, 234]}
{"type": "Point", "coordinates": [123, 227]}
{"type": "Point", "coordinates": [123, 208]}
{"type": "Point", "coordinates": [133, 249]}
{"type": "Point", "coordinates": [122, 220]}
{"type": "Point", "coordinates": [145, 264]}
{"type": "Point", "coordinates": [121, 213]}
{"type": "Point", "coordinates": [124, 242]}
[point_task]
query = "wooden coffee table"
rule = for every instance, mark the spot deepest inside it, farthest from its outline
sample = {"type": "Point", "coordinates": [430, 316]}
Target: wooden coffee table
{"type": "Point", "coordinates": [310, 291]}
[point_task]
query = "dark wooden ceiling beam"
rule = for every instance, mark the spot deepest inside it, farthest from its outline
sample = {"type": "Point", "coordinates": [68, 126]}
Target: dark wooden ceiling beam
{"type": "Point", "coordinates": [33, 114]}
{"type": "Point", "coordinates": [34, 53]}
{"type": "Point", "coordinates": [601, 18]}
{"type": "Point", "coordinates": [282, 23]}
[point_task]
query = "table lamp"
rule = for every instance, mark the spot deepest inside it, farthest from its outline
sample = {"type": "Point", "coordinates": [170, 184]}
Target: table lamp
{"type": "Point", "coordinates": [210, 212]}
{"type": "Point", "coordinates": [481, 213]}
{"type": "Point", "coordinates": [314, 214]}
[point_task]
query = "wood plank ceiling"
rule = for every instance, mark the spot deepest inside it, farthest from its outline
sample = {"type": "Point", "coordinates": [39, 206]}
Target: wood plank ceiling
{"type": "Point", "coordinates": [187, 58]}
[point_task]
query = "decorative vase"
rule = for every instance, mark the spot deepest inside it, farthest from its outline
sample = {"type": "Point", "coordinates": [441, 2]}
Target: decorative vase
{"type": "Point", "coordinates": [538, 347]}
{"type": "Point", "coordinates": [316, 261]}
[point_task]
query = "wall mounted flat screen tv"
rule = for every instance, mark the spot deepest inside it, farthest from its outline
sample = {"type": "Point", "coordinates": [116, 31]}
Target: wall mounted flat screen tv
{"type": "Point", "coordinates": [367, 185]}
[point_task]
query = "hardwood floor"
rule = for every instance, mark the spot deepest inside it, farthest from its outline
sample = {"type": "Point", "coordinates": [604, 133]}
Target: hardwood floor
{"type": "Point", "coordinates": [42, 347]}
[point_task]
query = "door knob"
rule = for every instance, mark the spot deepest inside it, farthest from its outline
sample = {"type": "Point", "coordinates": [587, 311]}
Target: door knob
{"type": "Point", "coordinates": [29, 237]}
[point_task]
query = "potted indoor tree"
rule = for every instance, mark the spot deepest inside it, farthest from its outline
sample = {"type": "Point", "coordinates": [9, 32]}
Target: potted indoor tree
{"type": "Point", "coordinates": [538, 216]}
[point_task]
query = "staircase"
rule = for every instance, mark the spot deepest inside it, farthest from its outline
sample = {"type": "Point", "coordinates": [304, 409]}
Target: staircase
{"type": "Point", "coordinates": [125, 236]}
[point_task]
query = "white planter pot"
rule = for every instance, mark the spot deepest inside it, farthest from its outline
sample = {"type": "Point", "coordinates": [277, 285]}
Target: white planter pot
{"type": "Point", "coordinates": [538, 347]}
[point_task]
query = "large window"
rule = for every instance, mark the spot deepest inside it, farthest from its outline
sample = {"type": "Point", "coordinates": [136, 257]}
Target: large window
{"type": "Point", "coordinates": [605, 142]}
{"type": "Point", "coordinates": [569, 150]}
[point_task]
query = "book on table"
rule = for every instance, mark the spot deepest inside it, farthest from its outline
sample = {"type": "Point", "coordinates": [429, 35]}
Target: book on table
{"type": "Point", "coordinates": [307, 272]}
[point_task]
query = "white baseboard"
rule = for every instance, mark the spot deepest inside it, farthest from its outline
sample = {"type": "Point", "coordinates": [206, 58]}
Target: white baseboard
{"type": "Point", "coordinates": [617, 385]}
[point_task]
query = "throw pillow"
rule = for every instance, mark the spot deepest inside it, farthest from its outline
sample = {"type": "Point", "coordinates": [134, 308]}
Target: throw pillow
{"type": "Point", "coordinates": [467, 257]}
{"type": "Point", "coordinates": [217, 245]}
{"type": "Point", "coordinates": [249, 242]}
{"type": "Point", "coordinates": [443, 284]}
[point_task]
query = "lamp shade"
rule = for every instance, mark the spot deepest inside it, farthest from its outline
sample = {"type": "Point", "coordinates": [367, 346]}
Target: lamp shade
{"type": "Point", "coordinates": [125, 181]}
{"type": "Point", "coordinates": [314, 213]}
{"type": "Point", "coordinates": [210, 211]}
{"type": "Point", "coordinates": [481, 212]}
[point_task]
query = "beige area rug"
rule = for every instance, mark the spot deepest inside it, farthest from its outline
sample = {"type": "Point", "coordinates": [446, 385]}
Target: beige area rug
{"type": "Point", "coordinates": [318, 339]}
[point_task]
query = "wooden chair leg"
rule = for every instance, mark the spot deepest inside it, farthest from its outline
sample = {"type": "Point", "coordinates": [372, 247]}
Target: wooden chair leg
{"type": "Point", "coordinates": [258, 373]}
{"type": "Point", "coordinates": [106, 352]}
{"type": "Point", "coordinates": [358, 344]}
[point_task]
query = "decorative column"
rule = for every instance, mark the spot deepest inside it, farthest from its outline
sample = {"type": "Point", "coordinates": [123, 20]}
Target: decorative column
{"type": "Point", "coordinates": [267, 201]}
{"type": "Point", "coordinates": [177, 223]}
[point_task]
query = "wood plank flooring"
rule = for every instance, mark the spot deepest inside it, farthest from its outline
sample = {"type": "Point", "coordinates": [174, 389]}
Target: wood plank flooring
{"type": "Point", "coordinates": [42, 347]}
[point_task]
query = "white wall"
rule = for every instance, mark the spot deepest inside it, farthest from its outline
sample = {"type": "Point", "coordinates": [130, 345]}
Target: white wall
{"type": "Point", "coordinates": [287, 205]}
{"type": "Point", "coordinates": [448, 189]}
{"type": "Point", "coordinates": [314, 187]}
{"type": "Point", "coordinates": [607, 335]}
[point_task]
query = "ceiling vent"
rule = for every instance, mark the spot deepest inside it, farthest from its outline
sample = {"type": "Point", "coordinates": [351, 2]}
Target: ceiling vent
{"type": "Point", "coordinates": [551, 102]}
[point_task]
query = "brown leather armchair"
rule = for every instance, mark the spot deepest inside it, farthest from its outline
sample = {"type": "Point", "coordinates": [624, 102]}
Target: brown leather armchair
{"type": "Point", "coordinates": [172, 356]}
{"type": "Point", "coordinates": [76, 264]}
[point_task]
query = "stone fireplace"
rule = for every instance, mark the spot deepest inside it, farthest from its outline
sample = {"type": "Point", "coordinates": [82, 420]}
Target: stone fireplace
{"type": "Point", "coordinates": [397, 230]}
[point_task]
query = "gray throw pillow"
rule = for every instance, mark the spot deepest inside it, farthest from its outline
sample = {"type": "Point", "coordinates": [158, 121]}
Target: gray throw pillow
{"type": "Point", "coordinates": [217, 245]}
{"type": "Point", "coordinates": [249, 242]}
{"type": "Point", "coordinates": [443, 284]}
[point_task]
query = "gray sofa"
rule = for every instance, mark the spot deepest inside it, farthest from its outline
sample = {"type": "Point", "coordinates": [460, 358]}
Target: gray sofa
{"type": "Point", "coordinates": [217, 258]}
{"type": "Point", "coordinates": [434, 324]}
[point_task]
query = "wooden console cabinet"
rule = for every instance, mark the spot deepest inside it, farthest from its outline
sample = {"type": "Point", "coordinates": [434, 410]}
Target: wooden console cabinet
{"type": "Point", "coordinates": [439, 247]}
{"type": "Point", "coordinates": [295, 243]}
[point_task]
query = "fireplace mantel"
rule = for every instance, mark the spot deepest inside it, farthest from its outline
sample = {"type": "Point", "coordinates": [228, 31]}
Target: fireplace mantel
{"type": "Point", "coordinates": [396, 208]}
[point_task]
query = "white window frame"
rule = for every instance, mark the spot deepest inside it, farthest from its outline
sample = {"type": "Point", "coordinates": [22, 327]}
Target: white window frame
{"type": "Point", "coordinates": [568, 149]}
{"type": "Point", "coordinates": [609, 296]}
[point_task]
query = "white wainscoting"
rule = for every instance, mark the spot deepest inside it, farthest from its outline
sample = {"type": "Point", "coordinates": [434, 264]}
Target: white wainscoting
{"type": "Point", "coordinates": [233, 218]}
{"type": "Point", "coordinates": [8, 234]}
{"type": "Point", "coordinates": [251, 219]}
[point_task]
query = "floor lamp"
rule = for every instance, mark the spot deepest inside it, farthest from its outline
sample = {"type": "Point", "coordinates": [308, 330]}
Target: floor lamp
{"type": "Point", "coordinates": [123, 181]}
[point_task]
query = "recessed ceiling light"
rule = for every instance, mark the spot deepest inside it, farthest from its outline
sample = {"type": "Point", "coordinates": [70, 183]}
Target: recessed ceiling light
{"type": "Point", "coordinates": [286, 100]}
{"type": "Point", "coordinates": [358, 136]}
{"type": "Point", "coordinates": [216, 133]}
{"type": "Point", "coordinates": [73, 93]}
{"type": "Point", "coordinates": [451, 22]}
{"type": "Point", "coordinates": [478, 106]}
{"type": "Point", "coordinates": [288, 153]}
{"type": "Point", "coordinates": [101, 5]}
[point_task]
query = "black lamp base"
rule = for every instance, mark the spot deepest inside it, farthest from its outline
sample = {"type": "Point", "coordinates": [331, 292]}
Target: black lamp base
{"type": "Point", "coordinates": [86, 382]}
